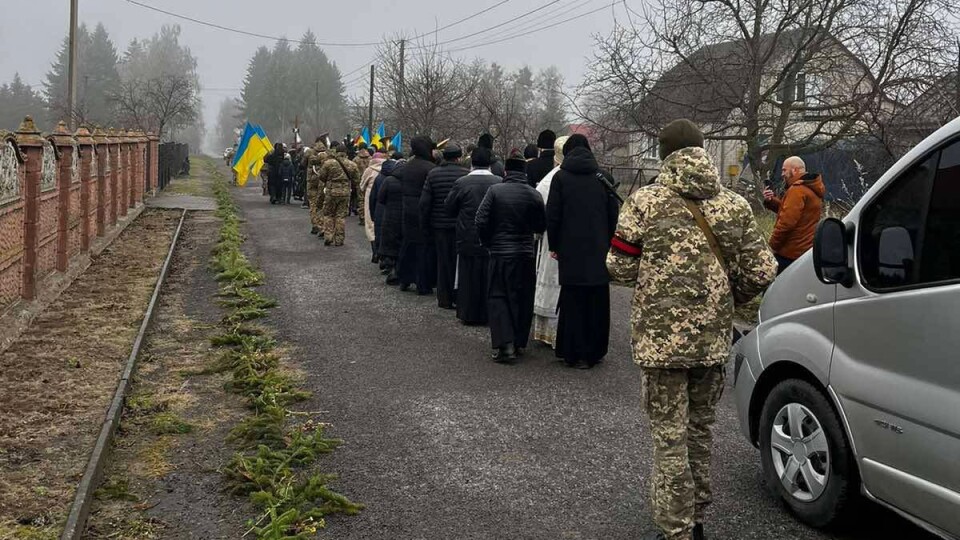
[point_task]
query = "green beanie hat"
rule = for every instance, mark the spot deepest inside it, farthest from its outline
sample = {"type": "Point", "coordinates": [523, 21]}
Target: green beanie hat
{"type": "Point", "coordinates": [679, 134]}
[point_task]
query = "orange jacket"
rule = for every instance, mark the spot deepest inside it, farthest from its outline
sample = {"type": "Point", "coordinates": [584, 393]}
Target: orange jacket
{"type": "Point", "coordinates": [798, 214]}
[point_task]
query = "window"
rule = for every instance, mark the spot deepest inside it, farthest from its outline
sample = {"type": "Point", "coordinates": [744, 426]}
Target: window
{"type": "Point", "coordinates": [910, 235]}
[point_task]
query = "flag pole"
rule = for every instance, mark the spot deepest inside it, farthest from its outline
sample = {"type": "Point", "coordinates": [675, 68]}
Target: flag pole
{"type": "Point", "coordinates": [370, 105]}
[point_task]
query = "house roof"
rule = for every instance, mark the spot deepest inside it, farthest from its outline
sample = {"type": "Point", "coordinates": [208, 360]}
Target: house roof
{"type": "Point", "coordinates": [711, 83]}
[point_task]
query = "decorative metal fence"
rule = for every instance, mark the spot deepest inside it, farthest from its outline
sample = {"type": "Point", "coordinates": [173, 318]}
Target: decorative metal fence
{"type": "Point", "coordinates": [173, 162]}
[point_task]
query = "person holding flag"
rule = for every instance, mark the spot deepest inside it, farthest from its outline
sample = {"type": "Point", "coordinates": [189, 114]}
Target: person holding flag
{"type": "Point", "coordinates": [250, 152]}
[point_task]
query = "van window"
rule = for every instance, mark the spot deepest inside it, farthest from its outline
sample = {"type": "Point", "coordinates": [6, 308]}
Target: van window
{"type": "Point", "coordinates": [910, 235]}
{"type": "Point", "coordinates": [890, 230]}
{"type": "Point", "coordinates": [940, 259]}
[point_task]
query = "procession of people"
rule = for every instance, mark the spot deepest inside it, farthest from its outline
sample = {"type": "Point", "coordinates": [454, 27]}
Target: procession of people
{"type": "Point", "coordinates": [528, 246]}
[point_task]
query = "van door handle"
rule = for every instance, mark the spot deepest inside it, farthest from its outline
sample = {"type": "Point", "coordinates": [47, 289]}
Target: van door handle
{"type": "Point", "coordinates": [811, 298]}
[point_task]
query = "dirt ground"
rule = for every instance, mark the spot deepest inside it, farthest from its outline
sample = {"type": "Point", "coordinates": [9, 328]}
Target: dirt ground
{"type": "Point", "coordinates": [60, 375]}
{"type": "Point", "coordinates": [162, 479]}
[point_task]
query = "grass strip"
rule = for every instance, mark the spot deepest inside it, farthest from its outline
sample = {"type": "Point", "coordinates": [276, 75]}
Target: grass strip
{"type": "Point", "coordinates": [275, 465]}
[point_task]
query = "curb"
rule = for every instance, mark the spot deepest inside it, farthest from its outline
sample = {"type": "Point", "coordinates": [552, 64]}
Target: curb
{"type": "Point", "coordinates": [80, 508]}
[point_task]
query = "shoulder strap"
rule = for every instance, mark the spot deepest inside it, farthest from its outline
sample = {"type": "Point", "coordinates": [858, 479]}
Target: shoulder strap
{"type": "Point", "coordinates": [694, 209]}
{"type": "Point", "coordinates": [344, 169]}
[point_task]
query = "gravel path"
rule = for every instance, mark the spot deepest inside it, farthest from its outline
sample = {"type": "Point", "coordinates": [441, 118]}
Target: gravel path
{"type": "Point", "coordinates": [442, 443]}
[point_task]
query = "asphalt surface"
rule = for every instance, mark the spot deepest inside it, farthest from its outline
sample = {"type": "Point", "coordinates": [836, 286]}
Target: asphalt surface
{"type": "Point", "coordinates": [442, 443]}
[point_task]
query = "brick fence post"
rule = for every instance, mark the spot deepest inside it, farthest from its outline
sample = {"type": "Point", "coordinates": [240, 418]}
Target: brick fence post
{"type": "Point", "coordinates": [87, 184]}
{"type": "Point", "coordinates": [64, 143]}
{"type": "Point", "coordinates": [31, 145]}
{"type": "Point", "coordinates": [113, 146]}
{"type": "Point", "coordinates": [154, 152]}
{"type": "Point", "coordinates": [123, 172]}
{"type": "Point", "coordinates": [132, 168]}
{"type": "Point", "coordinates": [102, 150]}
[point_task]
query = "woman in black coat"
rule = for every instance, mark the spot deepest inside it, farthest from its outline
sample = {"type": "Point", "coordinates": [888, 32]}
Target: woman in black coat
{"type": "Point", "coordinates": [390, 237]}
{"type": "Point", "coordinates": [581, 220]}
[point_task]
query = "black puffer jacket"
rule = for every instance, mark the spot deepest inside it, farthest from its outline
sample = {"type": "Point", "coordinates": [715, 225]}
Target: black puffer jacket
{"type": "Point", "coordinates": [390, 198]}
{"type": "Point", "coordinates": [581, 219]}
{"type": "Point", "coordinates": [510, 214]}
{"type": "Point", "coordinates": [433, 214]}
{"type": "Point", "coordinates": [462, 202]}
{"type": "Point", "coordinates": [412, 175]}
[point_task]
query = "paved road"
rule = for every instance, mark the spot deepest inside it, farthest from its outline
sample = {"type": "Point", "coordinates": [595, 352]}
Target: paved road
{"type": "Point", "coordinates": [441, 443]}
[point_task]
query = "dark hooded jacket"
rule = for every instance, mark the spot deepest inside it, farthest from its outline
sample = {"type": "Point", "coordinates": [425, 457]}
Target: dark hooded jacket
{"type": "Point", "coordinates": [274, 161]}
{"type": "Point", "coordinates": [390, 203]}
{"type": "Point", "coordinates": [433, 214]}
{"type": "Point", "coordinates": [798, 214]}
{"type": "Point", "coordinates": [462, 203]}
{"type": "Point", "coordinates": [412, 175]}
{"type": "Point", "coordinates": [508, 217]}
{"type": "Point", "coordinates": [538, 168]}
{"type": "Point", "coordinates": [581, 220]}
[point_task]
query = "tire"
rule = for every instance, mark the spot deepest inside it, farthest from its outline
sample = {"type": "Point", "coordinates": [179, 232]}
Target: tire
{"type": "Point", "coordinates": [820, 453]}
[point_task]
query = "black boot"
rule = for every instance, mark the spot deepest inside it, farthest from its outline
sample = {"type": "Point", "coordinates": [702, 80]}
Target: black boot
{"type": "Point", "coordinates": [654, 535]}
{"type": "Point", "coordinates": [314, 230]}
{"type": "Point", "coordinates": [698, 532]}
{"type": "Point", "coordinates": [392, 278]}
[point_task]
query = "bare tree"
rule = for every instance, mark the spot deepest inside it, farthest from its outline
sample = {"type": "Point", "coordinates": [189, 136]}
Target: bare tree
{"type": "Point", "coordinates": [159, 104]}
{"type": "Point", "coordinates": [770, 77]}
{"type": "Point", "coordinates": [426, 92]}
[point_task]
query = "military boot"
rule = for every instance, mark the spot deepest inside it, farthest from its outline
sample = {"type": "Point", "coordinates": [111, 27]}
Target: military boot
{"type": "Point", "coordinates": [698, 532]}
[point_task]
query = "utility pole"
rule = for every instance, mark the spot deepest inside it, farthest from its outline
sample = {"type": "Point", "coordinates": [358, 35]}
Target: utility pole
{"type": "Point", "coordinates": [403, 86]}
{"type": "Point", "coordinates": [72, 67]}
{"type": "Point", "coordinates": [370, 106]}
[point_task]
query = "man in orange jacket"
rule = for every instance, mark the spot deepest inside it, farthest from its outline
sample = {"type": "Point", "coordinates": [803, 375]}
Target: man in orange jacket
{"type": "Point", "coordinates": [798, 212]}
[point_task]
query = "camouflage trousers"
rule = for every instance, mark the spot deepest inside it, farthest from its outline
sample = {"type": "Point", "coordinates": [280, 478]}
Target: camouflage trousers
{"type": "Point", "coordinates": [681, 404]}
{"type": "Point", "coordinates": [335, 210]}
{"type": "Point", "coordinates": [315, 199]}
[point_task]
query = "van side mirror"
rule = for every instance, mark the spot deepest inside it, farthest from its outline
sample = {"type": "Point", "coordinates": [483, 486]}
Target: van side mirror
{"type": "Point", "coordinates": [830, 258]}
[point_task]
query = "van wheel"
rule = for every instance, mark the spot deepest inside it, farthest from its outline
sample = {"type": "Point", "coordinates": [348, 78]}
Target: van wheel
{"type": "Point", "coordinates": [804, 453]}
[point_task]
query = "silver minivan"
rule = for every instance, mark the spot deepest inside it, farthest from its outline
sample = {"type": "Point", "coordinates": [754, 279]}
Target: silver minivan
{"type": "Point", "coordinates": [851, 381]}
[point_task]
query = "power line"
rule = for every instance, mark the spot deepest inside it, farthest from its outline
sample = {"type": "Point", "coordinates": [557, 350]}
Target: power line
{"type": "Point", "coordinates": [244, 32]}
{"type": "Point", "coordinates": [489, 28]}
{"type": "Point", "coordinates": [534, 31]}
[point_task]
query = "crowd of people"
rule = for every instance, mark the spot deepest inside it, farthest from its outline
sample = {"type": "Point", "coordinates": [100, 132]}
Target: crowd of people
{"type": "Point", "coordinates": [529, 245]}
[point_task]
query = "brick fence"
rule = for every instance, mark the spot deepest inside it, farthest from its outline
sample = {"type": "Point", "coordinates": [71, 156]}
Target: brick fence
{"type": "Point", "coordinates": [59, 191]}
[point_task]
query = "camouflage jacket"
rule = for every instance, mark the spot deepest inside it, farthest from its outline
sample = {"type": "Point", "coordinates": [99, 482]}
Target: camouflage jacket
{"type": "Point", "coordinates": [317, 157]}
{"type": "Point", "coordinates": [683, 301]}
{"type": "Point", "coordinates": [338, 175]}
{"type": "Point", "coordinates": [362, 163]}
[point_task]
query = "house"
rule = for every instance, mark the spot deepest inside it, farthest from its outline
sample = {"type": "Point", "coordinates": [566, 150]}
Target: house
{"type": "Point", "coordinates": [796, 87]}
{"type": "Point", "coordinates": [932, 108]}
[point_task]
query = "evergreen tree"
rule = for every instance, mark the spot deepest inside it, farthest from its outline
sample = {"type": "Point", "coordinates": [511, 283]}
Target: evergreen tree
{"type": "Point", "coordinates": [16, 101]}
{"type": "Point", "coordinates": [228, 120]}
{"type": "Point", "coordinates": [552, 110]}
{"type": "Point", "coordinates": [97, 78]}
{"type": "Point", "coordinates": [284, 85]}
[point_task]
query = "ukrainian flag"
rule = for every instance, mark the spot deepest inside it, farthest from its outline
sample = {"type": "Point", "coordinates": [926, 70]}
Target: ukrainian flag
{"type": "Point", "coordinates": [397, 141]}
{"type": "Point", "coordinates": [364, 137]}
{"type": "Point", "coordinates": [265, 141]}
{"type": "Point", "coordinates": [250, 152]}
{"type": "Point", "coordinates": [380, 135]}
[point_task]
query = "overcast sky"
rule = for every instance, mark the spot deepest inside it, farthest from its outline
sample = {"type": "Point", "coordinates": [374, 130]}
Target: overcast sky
{"type": "Point", "coordinates": [31, 32]}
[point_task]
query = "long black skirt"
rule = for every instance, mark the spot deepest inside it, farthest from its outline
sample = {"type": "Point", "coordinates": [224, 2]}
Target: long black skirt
{"type": "Point", "coordinates": [513, 284]}
{"type": "Point", "coordinates": [472, 281]}
{"type": "Point", "coordinates": [446, 247]}
{"type": "Point", "coordinates": [583, 330]}
{"type": "Point", "coordinates": [417, 265]}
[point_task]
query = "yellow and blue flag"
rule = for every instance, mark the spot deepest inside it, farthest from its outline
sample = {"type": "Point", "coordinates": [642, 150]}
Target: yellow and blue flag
{"type": "Point", "coordinates": [363, 138]}
{"type": "Point", "coordinates": [397, 141]}
{"type": "Point", "coordinates": [265, 141]}
{"type": "Point", "coordinates": [379, 136]}
{"type": "Point", "coordinates": [250, 152]}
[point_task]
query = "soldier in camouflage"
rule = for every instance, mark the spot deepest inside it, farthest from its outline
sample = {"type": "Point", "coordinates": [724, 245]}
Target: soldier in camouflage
{"type": "Point", "coordinates": [362, 161]}
{"type": "Point", "coordinates": [314, 188]}
{"type": "Point", "coordinates": [685, 287]}
{"type": "Point", "coordinates": [339, 176]}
